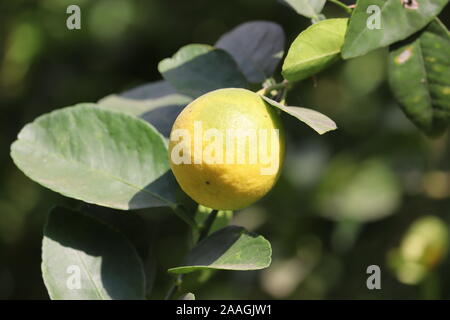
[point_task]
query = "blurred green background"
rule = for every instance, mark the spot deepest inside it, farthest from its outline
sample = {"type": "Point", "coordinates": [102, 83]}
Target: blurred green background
{"type": "Point", "coordinates": [346, 200]}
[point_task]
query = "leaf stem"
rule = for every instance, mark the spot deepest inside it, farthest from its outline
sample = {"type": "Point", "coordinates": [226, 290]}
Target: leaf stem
{"type": "Point", "coordinates": [342, 5]}
{"type": "Point", "coordinates": [280, 85]}
{"type": "Point", "coordinates": [281, 89]}
{"type": "Point", "coordinates": [207, 225]}
{"type": "Point", "coordinates": [174, 288]}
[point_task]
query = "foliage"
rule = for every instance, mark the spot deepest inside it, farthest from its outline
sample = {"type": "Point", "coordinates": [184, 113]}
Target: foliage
{"type": "Point", "coordinates": [113, 153]}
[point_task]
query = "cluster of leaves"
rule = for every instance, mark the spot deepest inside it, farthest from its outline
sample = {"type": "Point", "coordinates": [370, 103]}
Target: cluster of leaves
{"type": "Point", "coordinates": [113, 153]}
{"type": "Point", "coordinates": [419, 45]}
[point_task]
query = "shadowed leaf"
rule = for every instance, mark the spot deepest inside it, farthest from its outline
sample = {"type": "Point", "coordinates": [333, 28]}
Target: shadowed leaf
{"type": "Point", "coordinates": [419, 76]}
{"type": "Point", "coordinates": [196, 69]}
{"type": "Point", "coordinates": [256, 46]}
{"type": "Point", "coordinates": [83, 258]}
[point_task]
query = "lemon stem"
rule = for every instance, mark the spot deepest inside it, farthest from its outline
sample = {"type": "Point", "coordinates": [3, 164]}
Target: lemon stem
{"type": "Point", "coordinates": [277, 86]}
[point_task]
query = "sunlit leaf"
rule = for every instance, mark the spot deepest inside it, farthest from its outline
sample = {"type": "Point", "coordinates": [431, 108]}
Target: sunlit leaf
{"type": "Point", "coordinates": [316, 120]}
{"type": "Point", "coordinates": [307, 8]}
{"type": "Point", "coordinates": [315, 49]}
{"type": "Point", "coordinates": [397, 20]}
{"type": "Point", "coordinates": [231, 248]}
{"type": "Point", "coordinates": [188, 296]}
{"type": "Point", "coordinates": [98, 156]}
{"type": "Point", "coordinates": [158, 103]}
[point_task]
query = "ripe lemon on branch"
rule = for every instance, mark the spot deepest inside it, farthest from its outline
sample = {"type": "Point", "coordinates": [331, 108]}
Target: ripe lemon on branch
{"type": "Point", "coordinates": [226, 148]}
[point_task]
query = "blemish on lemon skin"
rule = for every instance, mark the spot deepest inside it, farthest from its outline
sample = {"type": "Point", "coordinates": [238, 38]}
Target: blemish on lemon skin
{"type": "Point", "coordinates": [404, 56]}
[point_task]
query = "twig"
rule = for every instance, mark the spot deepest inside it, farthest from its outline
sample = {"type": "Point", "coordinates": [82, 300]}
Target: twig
{"type": "Point", "coordinates": [342, 5]}
{"type": "Point", "coordinates": [204, 230]}
{"type": "Point", "coordinates": [207, 225]}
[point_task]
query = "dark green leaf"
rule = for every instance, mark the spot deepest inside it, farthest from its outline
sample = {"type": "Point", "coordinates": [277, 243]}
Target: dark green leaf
{"type": "Point", "coordinates": [314, 49]}
{"type": "Point", "coordinates": [156, 102]}
{"type": "Point", "coordinates": [307, 8]}
{"type": "Point", "coordinates": [97, 156]}
{"type": "Point", "coordinates": [398, 20]}
{"type": "Point", "coordinates": [256, 46]}
{"type": "Point", "coordinates": [85, 259]}
{"type": "Point", "coordinates": [316, 120]}
{"type": "Point", "coordinates": [419, 76]}
{"type": "Point", "coordinates": [231, 248]}
{"type": "Point", "coordinates": [197, 69]}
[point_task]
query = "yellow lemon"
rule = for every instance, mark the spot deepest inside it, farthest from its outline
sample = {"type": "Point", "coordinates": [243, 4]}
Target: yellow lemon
{"type": "Point", "coordinates": [226, 148]}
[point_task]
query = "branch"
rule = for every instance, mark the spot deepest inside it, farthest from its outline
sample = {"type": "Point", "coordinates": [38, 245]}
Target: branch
{"type": "Point", "coordinates": [203, 234]}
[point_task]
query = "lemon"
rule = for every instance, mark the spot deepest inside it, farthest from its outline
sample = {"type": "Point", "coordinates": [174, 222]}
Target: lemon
{"type": "Point", "coordinates": [226, 148]}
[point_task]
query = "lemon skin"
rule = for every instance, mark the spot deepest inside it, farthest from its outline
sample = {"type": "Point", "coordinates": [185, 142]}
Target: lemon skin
{"type": "Point", "coordinates": [229, 185]}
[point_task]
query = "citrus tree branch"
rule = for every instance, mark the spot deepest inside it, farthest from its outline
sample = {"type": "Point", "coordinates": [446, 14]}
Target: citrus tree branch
{"type": "Point", "coordinates": [207, 225]}
{"type": "Point", "coordinates": [204, 231]}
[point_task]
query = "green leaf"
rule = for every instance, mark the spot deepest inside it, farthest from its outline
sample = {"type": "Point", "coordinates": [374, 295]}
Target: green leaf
{"type": "Point", "coordinates": [158, 103]}
{"type": "Point", "coordinates": [231, 248]}
{"type": "Point", "coordinates": [257, 47]}
{"type": "Point", "coordinates": [83, 258]}
{"type": "Point", "coordinates": [316, 120]}
{"type": "Point", "coordinates": [194, 281]}
{"type": "Point", "coordinates": [419, 76]}
{"type": "Point", "coordinates": [359, 190]}
{"type": "Point", "coordinates": [307, 8]}
{"type": "Point", "coordinates": [188, 296]}
{"type": "Point", "coordinates": [315, 49]}
{"type": "Point", "coordinates": [197, 69]}
{"type": "Point", "coordinates": [397, 22]}
{"type": "Point", "coordinates": [97, 156]}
